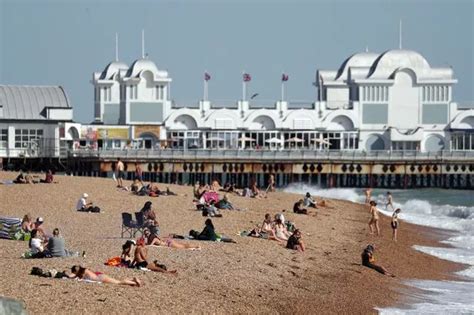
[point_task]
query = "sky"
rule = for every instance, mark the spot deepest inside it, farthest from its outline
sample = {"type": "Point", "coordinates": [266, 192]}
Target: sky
{"type": "Point", "coordinates": [55, 42]}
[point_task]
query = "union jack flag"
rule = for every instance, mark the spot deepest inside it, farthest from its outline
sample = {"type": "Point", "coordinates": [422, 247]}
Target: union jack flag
{"type": "Point", "coordinates": [247, 77]}
{"type": "Point", "coordinates": [284, 77]}
{"type": "Point", "coordinates": [207, 76]}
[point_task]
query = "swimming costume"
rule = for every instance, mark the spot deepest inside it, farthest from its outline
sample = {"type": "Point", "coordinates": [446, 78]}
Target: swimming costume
{"type": "Point", "coordinates": [394, 225]}
{"type": "Point", "coordinates": [142, 264]}
{"type": "Point", "coordinates": [168, 242]}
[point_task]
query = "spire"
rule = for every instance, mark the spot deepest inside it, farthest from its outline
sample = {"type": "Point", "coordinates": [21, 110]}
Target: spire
{"type": "Point", "coordinates": [116, 47]}
{"type": "Point", "coordinates": [400, 35]}
{"type": "Point", "coordinates": [143, 44]}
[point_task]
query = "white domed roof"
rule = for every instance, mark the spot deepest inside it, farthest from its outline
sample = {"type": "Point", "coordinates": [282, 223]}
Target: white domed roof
{"type": "Point", "coordinates": [141, 65]}
{"type": "Point", "coordinates": [392, 60]}
{"type": "Point", "coordinates": [111, 69]}
{"type": "Point", "coordinates": [363, 59]}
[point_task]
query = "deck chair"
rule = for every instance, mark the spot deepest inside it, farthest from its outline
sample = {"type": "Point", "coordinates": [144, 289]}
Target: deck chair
{"type": "Point", "coordinates": [140, 223]}
{"type": "Point", "coordinates": [128, 225]}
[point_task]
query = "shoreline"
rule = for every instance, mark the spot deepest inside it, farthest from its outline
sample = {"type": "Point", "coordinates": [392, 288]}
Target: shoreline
{"type": "Point", "coordinates": [253, 275]}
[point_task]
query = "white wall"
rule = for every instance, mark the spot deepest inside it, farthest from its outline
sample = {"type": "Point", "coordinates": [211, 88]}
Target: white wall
{"type": "Point", "coordinates": [404, 102]}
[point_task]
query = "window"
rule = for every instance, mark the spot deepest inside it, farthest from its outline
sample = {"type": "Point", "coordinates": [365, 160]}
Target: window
{"type": "Point", "coordinates": [24, 138]}
{"type": "Point", "coordinates": [133, 92]}
{"type": "Point", "coordinates": [3, 138]}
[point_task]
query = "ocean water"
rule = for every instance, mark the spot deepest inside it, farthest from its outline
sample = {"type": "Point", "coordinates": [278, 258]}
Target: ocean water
{"type": "Point", "coordinates": [452, 210]}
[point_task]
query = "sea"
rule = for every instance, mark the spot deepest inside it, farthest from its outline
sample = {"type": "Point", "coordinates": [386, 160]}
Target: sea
{"type": "Point", "coordinates": [451, 210]}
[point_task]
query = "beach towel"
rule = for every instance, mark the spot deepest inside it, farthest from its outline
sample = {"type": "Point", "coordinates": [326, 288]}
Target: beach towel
{"type": "Point", "coordinates": [211, 195]}
{"type": "Point", "coordinates": [114, 262]}
{"type": "Point", "coordinates": [9, 227]}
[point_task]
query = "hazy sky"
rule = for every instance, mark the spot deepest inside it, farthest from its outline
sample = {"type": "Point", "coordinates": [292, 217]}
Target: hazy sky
{"type": "Point", "coordinates": [46, 42]}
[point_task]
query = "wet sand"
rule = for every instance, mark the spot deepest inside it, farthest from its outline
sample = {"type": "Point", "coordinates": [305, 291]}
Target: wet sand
{"type": "Point", "coordinates": [252, 276]}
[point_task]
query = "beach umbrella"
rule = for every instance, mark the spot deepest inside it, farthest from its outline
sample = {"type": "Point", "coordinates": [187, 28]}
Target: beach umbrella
{"type": "Point", "coordinates": [321, 140]}
{"type": "Point", "coordinates": [274, 140]}
{"type": "Point", "coordinates": [246, 139]}
{"type": "Point", "coordinates": [294, 139]}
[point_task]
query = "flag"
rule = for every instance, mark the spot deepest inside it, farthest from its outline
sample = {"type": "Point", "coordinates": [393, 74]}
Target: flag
{"type": "Point", "coordinates": [207, 76]}
{"type": "Point", "coordinates": [247, 77]}
{"type": "Point", "coordinates": [284, 77]}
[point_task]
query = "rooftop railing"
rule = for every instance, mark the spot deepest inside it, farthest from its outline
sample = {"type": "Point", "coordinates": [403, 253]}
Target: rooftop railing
{"type": "Point", "coordinates": [288, 155]}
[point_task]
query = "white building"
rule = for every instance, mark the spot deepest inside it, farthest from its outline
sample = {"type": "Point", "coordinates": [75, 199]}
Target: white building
{"type": "Point", "coordinates": [389, 101]}
{"type": "Point", "coordinates": [31, 120]}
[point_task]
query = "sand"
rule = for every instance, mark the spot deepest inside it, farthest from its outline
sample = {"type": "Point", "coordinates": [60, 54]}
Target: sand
{"type": "Point", "coordinates": [252, 276]}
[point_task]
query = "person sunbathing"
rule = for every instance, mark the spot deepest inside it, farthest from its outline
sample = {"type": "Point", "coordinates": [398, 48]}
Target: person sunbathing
{"type": "Point", "coordinates": [141, 259]}
{"type": "Point", "coordinates": [153, 239]}
{"type": "Point", "coordinates": [266, 230]}
{"type": "Point", "coordinates": [368, 260]}
{"type": "Point", "coordinates": [281, 231]}
{"type": "Point", "coordinates": [27, 224]}
{"type": "Point", "coordinates": [295, 242]}
{"type": "Point", "coordinates": [127, 252]}
{"type": "Point", "coordinates": [49, 179]}
{"type": "Point", "coordinates": [79, 272]}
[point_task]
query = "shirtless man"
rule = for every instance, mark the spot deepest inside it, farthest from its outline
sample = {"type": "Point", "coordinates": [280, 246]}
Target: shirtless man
{"type": "Point", "coordinates": [120, 174]}
{"type": "Point", "coordinates": [141, 255]}
{"type": "Point", "coordinates": [368, 195]}
{"type": "Point", "coordinates": [271, 183]}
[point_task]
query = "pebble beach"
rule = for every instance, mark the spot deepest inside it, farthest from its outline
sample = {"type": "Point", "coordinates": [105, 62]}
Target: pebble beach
{"type": "Point", "coordinates": [251, 276]}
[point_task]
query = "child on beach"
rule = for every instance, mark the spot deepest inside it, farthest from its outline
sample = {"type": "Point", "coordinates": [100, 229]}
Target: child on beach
{"type": "Point", "coordinates": [374, 218]}
{"type": "Point", "coordinates": [394, 224]}
{"type": "Point", "coordinates": [368, 260]}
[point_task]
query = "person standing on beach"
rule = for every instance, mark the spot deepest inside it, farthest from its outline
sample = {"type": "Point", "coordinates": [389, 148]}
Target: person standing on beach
{"type": "Point", "coordinates": [368, 195]}
{"type": "Point", "coordinates": [374, 218]}
{"type": "Point", "coordinates": [394, 224]}
{"type": "Point", "coordinates": [271, 183]}
{"type": "Point", "coordinates": [139, 173]}
{"type": "Point", "coordinates": [389, 201]}
{"type": "Point", "coordinates": [120, 173]}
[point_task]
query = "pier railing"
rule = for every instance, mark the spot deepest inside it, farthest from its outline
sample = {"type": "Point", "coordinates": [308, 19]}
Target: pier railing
{"type": "Point", "coordinates": [288, 155]}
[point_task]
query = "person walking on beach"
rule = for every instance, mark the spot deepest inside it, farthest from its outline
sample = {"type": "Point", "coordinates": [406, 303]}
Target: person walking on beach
{"type": "Point", "coordinates": [394, 224]}
{"type": "Point", "coordinates": [389, 201]}
{"type": "Point", "coordinates": [374, 218]}
{"type": "Point", "coordinates": [368, 195]}
{"type": "Point", "coordinates": [368, 260]}
{"type": "Point", "coordinates": [139, 173]}
{"type": "Point", "coordinates": [120, 173]}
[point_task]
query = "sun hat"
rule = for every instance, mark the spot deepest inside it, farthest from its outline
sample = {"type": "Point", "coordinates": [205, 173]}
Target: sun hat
{"type": "Point", "coordinates": [85, 195]}
{"type": "Point", "coordinates": [39, 220]}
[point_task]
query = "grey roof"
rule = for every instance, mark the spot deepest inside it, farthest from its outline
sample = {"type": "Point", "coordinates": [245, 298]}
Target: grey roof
{"type": "Point", "coordinates": [30, 102]}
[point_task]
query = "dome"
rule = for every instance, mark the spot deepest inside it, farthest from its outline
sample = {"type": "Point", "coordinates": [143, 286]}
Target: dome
{"type": "Point", "coordinates": [364, 59]}
{"type": "Point", "coordinates": [111, 69]}
{"type": "Point", "coordinates": [142, 65]}
{"type": "Point", "coordinates": [392, 60]}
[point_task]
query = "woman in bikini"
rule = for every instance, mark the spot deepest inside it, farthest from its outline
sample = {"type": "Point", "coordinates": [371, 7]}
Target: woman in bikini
{"type": "Point", "coordinates": [394, 224]}
{"type": "Point", "coordinates": [152, 239]}
{"type": "Point", "coordinates": [86, 274]}
{"type": "Point", "coordinates": [374, 218]}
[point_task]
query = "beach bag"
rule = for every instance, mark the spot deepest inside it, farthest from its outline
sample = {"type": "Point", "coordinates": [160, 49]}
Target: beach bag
{"type": "Point", "coordinates": [95, 209]}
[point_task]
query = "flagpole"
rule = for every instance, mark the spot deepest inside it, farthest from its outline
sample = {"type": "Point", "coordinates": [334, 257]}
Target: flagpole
{"type": "Point", "coordinates": [282, 90]}
{"type": "Point", "coordinates": [244, 88]}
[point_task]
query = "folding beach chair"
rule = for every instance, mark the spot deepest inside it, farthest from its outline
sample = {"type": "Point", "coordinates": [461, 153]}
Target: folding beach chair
{"type": "Point", "coordinates": [128, 225]}
{"type": "Point", "coordinates": [140, 224]}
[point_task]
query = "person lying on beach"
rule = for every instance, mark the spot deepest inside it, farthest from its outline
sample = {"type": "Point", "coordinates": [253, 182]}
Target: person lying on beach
{"type": "Point", "coordinates": [127, 253]}
{"type": "Point", "coordinates": [225, 203]}
{"type": "Point", "coordinates": [27, 224]}
{"type": "Point", "coordinates": [136, 186]}
{"type": "Point", "coordinates": [209, 234]}
{"type": "Point", "coordinates": [374, 218]}
{"type": "Point", "coordinates": [141, 259]}
{"type": "Point", "coordinates": [309, 201]}
{"type": "Point", "coordinates": [36, 245]}
{"type": "Point", "coordinates": [210, 210]}
{"type": "Point", "coordinates": [79, 272]}
{"type": "Point", "coordinates": [395, 224]}
{"type": "Point", "coordinates": [153, 239]}
{"type": "Point", "coordinates": [368, 260]}
{"type": "Point", "coordinates": [295, 242]}
{"type": "Point", "coordinates": [298, 207]}
{"type": "Point", "coordinates": [83, 205]}
{"type": "Point", "coordinates": [20, 179]}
